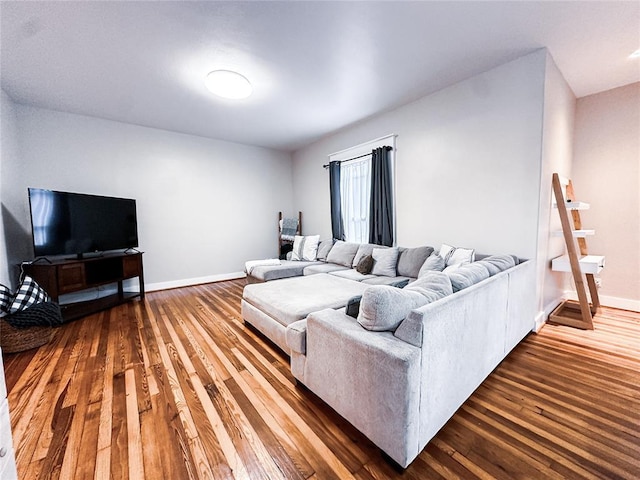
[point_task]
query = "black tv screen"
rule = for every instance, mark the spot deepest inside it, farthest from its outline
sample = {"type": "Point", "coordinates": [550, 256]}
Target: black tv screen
{"type": "Point", "coordinates": [75, 223]}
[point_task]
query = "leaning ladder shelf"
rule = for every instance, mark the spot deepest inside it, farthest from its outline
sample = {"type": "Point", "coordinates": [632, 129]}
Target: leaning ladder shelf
{"type": "Point", "coordinates": [582, 266]}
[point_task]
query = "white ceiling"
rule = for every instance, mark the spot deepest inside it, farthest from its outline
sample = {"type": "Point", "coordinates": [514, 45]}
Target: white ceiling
{"type": "Point", "coordinates": [315, 66]}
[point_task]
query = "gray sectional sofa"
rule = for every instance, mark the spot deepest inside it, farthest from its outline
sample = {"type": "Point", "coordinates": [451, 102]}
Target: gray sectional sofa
{"type": "Point", "coordinates": [401, 366]}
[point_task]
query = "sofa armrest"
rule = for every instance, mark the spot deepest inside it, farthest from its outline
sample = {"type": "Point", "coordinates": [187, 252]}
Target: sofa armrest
{"type": "Point", "coordinates": [371, 378]}
{"type": "Point", "coordinates": [296, 336]}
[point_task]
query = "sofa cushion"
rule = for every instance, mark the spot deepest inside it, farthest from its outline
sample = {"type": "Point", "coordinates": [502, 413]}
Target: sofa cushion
{"type": "Point", "coordinates": [324, 247]}
{"type": "Point", "coordinates": [365, 264]}
{"type": "Point", "coordinates": [382, 307]}
{"type": "Point", "coordinates": [466, 275]}
{"type": "Point", "coordinates": [411, 259]}
{"type": "Point", "coordinates": [364, 249]}
{"type": "Point", "coordinates": [305, 248]}
{"type": "Point", "coordinates": [434, 263]}
{"type": "Point", "coordinates": [292, 299]}
{"type": "Point", "coordinates": [456, 255]}
{"type": "Point", "coordinates": [351, 274]}
{"type": "Point", "coordinates": [353, 305]}
{"type": "Point", "coordinates": [385, 261]}
{"type": "Point", "coordinates": [491, 267]}
{"type": "Point", "coordinates": [342, 253]}
{"type": "Point", "coordinates": [433, 285]}
{"type": "Point", "coordinates": [498, 263]}
{"type": "Point", "coordinates": [286, 269]}
{"type": "Point", "coordinates": [323, 268]}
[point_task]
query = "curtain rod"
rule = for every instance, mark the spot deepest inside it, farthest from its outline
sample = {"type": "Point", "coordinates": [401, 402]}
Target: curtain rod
{"type": "Point", "coordinates": [326, 165]}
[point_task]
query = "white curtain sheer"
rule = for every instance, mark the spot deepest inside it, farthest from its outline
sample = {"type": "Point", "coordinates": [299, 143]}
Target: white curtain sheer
{"type": "Point", "coordinates": [355, 193]}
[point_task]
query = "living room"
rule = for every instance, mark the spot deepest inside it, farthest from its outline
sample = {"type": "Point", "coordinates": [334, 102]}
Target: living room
{"type": "Point", "coordinates": [474, 159]}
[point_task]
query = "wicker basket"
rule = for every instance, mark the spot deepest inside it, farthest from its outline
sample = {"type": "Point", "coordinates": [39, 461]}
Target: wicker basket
{"type": "Point", "coordinates": [18, 339]}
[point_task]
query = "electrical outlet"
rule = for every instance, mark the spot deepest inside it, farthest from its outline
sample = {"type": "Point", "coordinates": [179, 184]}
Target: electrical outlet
{"type": "Point", "coordinates": [598, 282]}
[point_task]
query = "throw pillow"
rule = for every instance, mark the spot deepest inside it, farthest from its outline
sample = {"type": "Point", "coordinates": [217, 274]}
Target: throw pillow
{"type": "Point", "coordinates": [364, 249]}
{"type": "Point", "coordinates": [305, 248]}
{"type": "Point", "coordinates": [342, 253]}
{"type": "Point", "coordinates": [29, 293]}
{"type": "Point", "coordinates": [466, 275]}
{"type": "Point", "coordinates": [385, 261]}
{"type": "Point", "coordinates": [353, 306]}
{"type": "Point", "coordinates": [383, 307]}
{"type": "Point", "coordinates": [434, 263]}
{"type": "Point", "coordinates": [491, 268]}
{"type": "Point", "coordinates": [456, 255]}
{"type": "Point", "coordinates": [502, 262]}
{"type": "Point", "coordinates": [411, 259]}
{"type": "Point", "coordinates": [5, 300]}
{"type": "Point", "coordinates": [365, 265]}
{"type": "Point", "coordinates": [433, 286]}
{"type": "Point", "coordinates": [324, 248]}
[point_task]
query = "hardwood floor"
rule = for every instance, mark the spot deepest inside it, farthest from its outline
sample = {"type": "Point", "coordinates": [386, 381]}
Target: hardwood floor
{"type": "Point", "coordinates": [176, 387]}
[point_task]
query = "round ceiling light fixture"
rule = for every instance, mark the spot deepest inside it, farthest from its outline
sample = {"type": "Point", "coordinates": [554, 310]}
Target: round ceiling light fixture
{"type": "Point", "coordinates": [228, 84]}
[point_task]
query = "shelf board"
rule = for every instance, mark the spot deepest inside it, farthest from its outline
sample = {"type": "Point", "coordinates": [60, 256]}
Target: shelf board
{"type": "Point", "coordinates": [576, 233]}
{"type": "Point", "coordinates": [574, 205]}
{"type": "Point", "coordinates": [71, 311]}
{"type": "Point", "coordinates": [588, 264]}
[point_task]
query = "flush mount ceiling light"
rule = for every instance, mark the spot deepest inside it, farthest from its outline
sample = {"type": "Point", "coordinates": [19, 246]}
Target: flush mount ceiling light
{"type": "Point", "coordinates": [228, 84]}
{"type": "Point", "coordinates": [635, 54]}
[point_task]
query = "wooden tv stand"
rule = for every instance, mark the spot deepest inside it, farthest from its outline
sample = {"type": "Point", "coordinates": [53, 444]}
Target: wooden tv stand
{"type": "Point", "coordinates": [62, 276]}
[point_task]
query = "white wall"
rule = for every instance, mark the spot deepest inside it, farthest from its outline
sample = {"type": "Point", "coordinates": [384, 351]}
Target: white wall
{"type": "Point", "coordinates": [557, 152]}
{"type": "Point", "coordinates": [8, 153]}
{"type": "Point", "coordinates": [606, 174]}
{"type": "Point", "coordinates": [204, 206]}
{"type": "Point", "coordinates": [467, 163]}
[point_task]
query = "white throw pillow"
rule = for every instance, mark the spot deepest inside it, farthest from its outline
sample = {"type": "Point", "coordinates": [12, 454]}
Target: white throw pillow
{"type": "Point", "coordinates": [305, 248]}
{"type": "Point", "coordinates": [456, 255]}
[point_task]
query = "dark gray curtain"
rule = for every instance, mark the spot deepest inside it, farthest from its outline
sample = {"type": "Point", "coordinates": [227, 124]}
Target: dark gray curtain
{"type": "Point", "coordinates": [381, 214]}
{"type": "Point", "coordinates": [337, 227]}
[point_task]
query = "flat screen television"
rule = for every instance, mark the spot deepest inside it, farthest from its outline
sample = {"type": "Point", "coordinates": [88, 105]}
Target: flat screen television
{"type": "Point", "coordinates": [65, 223]}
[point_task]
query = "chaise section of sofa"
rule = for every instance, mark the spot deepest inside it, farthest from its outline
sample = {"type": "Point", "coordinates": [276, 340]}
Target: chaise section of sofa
{"type": "Point", "coordinates": [270, 307]}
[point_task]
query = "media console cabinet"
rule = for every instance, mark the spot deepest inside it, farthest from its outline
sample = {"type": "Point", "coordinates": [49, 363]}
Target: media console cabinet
{"type": "Point", "coordinates": [62, 276]}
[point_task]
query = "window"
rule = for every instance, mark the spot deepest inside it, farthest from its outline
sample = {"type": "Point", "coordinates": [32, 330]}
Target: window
{"type": "Point", "coordinates": [355, 193]}
{"type": "Point", "coordinates": [355, 187]}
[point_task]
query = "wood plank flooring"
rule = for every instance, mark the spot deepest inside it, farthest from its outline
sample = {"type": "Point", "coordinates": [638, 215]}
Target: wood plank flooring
{"type": "Point", "coordinates": [177, 387]}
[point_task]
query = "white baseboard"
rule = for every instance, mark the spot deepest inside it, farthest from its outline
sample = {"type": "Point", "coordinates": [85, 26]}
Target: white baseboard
{"type": "Point", "coordinates": [539, 321]}
{"type": "Point", "coordinates": [151, 287]}
{"type": "Point", "coordinates": [608, 301]}
{"type": "Point", "coordinates": [543, 315]}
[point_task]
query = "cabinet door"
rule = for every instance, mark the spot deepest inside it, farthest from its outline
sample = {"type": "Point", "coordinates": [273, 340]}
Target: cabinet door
{"type": "Point", "coordinates": [71, 277]}
{"type": "Point", "coordinates": [131, 266]}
